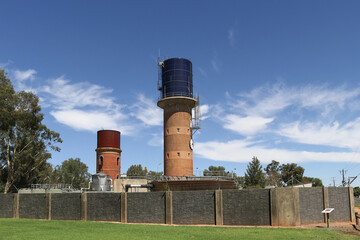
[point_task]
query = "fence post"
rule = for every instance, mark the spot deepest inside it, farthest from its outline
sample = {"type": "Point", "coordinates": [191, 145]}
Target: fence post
{"type": "Point", "coordinates": [296, 192]}
{"type": "Point", "coordinates": [218, 208]}
{"type": "Point", "coordinates": [48, 206]}
{"type": "Point", "coordinates": [274, 216]}
{"type": "Point", "coordinates": [169, 208]}
{"type": "Point", "coordinates": [285, 207]}
{"type": "Point", "coordinates": [326, 200]}
{"type": "Point", "coordinates": [84, 206]}
{"type": "Point", "coordinates": [351, 202]}
{"type": "Point", "coordinates": [16, 205]}
{"type": "Point", "coordinates": [124, 207]}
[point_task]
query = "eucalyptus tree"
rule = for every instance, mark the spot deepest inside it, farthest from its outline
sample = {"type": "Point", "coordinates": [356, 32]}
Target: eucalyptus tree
{"type": "Point", "coordinates": [25, 142]}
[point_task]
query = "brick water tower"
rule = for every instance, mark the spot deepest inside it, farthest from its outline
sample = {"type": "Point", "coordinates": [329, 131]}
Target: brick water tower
{"type": "Point", "coordinates": [108, 153]}
{"type": "Point", "coordinates": [177, 100]}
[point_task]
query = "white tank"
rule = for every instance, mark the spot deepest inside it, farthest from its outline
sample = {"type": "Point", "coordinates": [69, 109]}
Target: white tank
{"type": "Point", "coordinates": [101, 182]}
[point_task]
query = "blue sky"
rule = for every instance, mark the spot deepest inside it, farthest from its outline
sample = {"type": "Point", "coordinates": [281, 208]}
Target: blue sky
{"type": "Point", "coordinates": [276, 79]}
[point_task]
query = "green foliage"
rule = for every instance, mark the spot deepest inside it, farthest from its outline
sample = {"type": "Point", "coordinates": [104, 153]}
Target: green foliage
{"type": "Point", "coordinates": [240, 182]}
{"type": "Point", "coordinates": [136, 170]}
{"type": "Point", "coordinates": [154, 173]}
{"type": "Point", "coordinates": [273, 177]}
{"type": "Point", "coordinates": [216, 171]}
{"type": "Point", "coordinates": [254, 176]}
{"type": "Point", "coordinates": [71, 171]}
{"type": "Point", "coordinates": [357, 191]}
{"type": "Point", "coordinates": [18, 229]}
{"type": "Point", "coordinates": [291, 173]}
{"type": "Point", "coordinates": [24, 141]}
{"type": "Point", "coordinates": [316, 182]}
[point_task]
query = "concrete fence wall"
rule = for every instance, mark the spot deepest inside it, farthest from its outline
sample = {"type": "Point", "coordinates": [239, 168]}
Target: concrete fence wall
{"type": "Point", "coordinates": [276, 207]}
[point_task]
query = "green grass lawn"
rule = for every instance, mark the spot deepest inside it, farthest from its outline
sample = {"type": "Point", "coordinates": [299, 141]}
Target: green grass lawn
{"type": "Point", "coordinates": [42, 229]}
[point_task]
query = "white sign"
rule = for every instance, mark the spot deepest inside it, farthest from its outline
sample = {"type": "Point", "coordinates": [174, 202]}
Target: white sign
{"type": "Point", "coordinates": [328, 210]}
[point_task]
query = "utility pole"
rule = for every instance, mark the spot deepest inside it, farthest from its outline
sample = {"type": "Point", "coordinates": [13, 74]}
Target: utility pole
{"type": "Point", "coordinates": [333, 178]}
{"type": "Point", "coordinates": [343, 172]}
{"type": "Point", "coordinates": [351, 180]}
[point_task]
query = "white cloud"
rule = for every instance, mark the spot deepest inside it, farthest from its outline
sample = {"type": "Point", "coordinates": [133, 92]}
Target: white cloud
{"type": "Point", "coordinates": [245, 125]}
{"type": "Point", "coordinates": [3, 65]}
{"type": "Point", "coordinates": [204, 110]}
{"type": "Point", "coordinates": [346, 136]}
{"type": "Point", "coordinates": [313, 115]}
{"type": "Point", "coordinates": [65, 95]}
{"type": "Point", "coordinates": [24, 75]}
{"type": "Point", "coordinates": [266, 101]}
{"type": "Point", "coordinates": [156, 140]}
{"type": "Point", "coordinates": [91, 107]}
{"type": "Point", "coordinates": [84, 106]}
{"type": "Point", "coordinates": [146, 110]}
{"type": "Point", "coordinates": [21, 77]}
{"type": "Point", "coordinates": [90, 120]}
{"type": "Point", "coordinates": [243, 151]}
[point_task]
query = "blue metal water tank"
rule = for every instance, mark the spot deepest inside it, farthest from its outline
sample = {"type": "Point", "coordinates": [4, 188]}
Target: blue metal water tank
{"type": "Point", "coordinates": [176, 78]}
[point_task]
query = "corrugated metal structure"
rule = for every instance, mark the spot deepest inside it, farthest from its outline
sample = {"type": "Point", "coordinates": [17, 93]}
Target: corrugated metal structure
{"type": "Point", "coordinates": [177, 79]}
{"type": "Point", "coordinates": [101, 182]}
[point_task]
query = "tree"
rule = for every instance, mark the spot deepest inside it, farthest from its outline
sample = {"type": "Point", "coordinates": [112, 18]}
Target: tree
{"type": "Point", "coordinates": [72, 171]}
{"type": "Point", "coordinates": [240, 182]}
{"type": "Point", "coordinates": [316, 182]}
{"type": "Point", "coordinates": [254, 176]}
{"type": "Point", "coordinates": [356, 191]}
{"type": "Point", "coordinates": [272, 174]}
{"type": "Point", "coordinates": [25, 142]}
{"type": "Point", "coordinates": [154, 173]}
{"type": "Point", "coordinates": [136, 170]}
{"type": "Point", "coordinates": [216, 171]}
{"type": "Point", "coordinates": [291, 173]}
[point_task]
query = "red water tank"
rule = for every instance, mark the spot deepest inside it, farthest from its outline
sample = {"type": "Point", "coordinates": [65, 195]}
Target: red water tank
{"type": "Point", "coordinates": [108, 138]}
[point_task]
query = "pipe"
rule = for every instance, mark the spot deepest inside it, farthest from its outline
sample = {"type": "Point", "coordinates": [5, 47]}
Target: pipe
{"type": "Point", "coordinates": [127, 186]}
{"type": "Point", "coordinates": [82, 189]}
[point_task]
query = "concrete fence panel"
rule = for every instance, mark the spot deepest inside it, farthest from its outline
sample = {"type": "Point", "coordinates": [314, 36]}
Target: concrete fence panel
{"type": "Point", "coordinates": [7, 205]}
{"type": "Point", "coordinates": [66, 206]}
{"type": "Point", "coordinates": [246, 207]}
{"type": "Point", "coordinates": [193, 207]}
{"type": "Point", "coordinates": [146, 207]}
{"type": "Point", "coordinates": [339, 199]}
{"type": "Point", "coordinates": [102, 206]}
{"type": "Point", "coordinates": [32, 206]}
{"type": "Point", "coordinates": [311, 205]}
{"type": "Point", "coordinates": [285, 207]}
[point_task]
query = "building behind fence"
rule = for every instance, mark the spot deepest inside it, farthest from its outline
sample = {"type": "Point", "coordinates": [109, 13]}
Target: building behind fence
{"type": "Point", "coordinates": [271, 207]}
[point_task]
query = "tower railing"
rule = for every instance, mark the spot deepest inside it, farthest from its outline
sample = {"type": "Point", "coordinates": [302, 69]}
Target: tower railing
{"type": "Point", "coordinates": [176, 94]}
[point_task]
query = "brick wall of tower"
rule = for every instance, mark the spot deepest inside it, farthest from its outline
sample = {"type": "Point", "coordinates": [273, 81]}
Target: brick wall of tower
{"type": "Point", "coordinates": [111, 162]}
{"type": "Point", "coordinates": [178, 156]}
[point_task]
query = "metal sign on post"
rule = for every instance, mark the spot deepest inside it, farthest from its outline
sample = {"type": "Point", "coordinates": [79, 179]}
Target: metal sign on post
{"type": "Point", "coordinates": [327, 211]}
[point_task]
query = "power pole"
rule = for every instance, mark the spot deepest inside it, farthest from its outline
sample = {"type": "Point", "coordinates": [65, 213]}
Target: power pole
{"type": "Point", "coordinates": [351, 180]}
{"type": "Point", "coordinates": [343, 172]}
{"type": "Point", "coordinates": [333, 178]}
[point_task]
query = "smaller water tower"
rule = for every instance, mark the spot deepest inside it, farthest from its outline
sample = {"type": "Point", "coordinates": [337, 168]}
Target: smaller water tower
{"type": "Point", "coordinates": [108, 153]}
